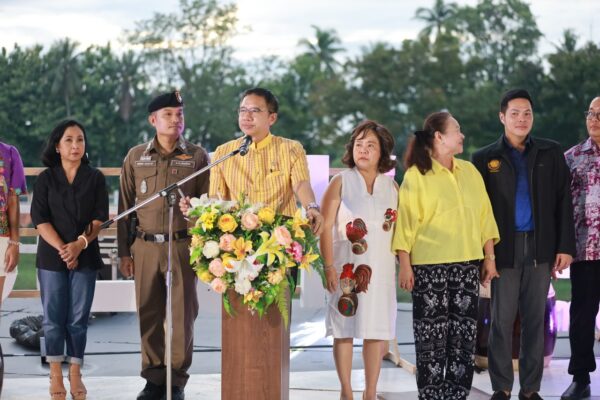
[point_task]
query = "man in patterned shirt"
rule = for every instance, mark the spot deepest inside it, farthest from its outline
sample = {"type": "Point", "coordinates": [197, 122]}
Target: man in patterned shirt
{"type": "Point", "coordinates": [584, 162]}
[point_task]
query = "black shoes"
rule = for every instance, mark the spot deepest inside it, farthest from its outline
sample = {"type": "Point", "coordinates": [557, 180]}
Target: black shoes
{"type": "Point", "coordinates": [176, 394]}
{"type": "Point", "coordinates": [534, 396]}
{"type": "Point", "coordinates": [500, 395]}
{"type": "Point", "coordinates": [576, 391]}
{"type": "Point", "coordinates": [152, 392]}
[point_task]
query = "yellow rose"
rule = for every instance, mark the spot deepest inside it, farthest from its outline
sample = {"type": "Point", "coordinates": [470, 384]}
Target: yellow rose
{"type": "Point", "coordinates": [197, 241]}
{"type": "Point", "coordinates": [274, 277]}
{"type": "Point", "coordinates": [227, 223]}
{"type": "Point", "coordinates": [205, 276]}
{"type": "Point", "coordinates": [266, 215]}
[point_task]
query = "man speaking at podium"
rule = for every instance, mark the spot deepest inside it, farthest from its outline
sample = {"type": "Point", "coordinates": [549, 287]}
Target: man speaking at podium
{"type": "Point", "coordinates": [148, 168]}
{"type": "Point", "coordinates": [275, 170]}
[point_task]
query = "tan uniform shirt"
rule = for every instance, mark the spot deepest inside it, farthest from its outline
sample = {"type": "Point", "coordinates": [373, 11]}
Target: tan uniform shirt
{"type": "Point", "coordinates": [145, 171]}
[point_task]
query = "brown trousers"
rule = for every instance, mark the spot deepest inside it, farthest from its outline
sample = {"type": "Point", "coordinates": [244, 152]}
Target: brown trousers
{"type": "Point", "coordinates": [150, 260]}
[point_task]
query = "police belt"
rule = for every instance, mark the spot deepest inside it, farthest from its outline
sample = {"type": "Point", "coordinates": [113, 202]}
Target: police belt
{"type": "Point", "coordinates": [162, 237]}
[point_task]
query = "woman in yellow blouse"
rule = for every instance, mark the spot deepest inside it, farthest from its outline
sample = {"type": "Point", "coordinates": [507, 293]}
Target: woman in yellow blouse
{"type": "Point", "coordinates": [445, 228]}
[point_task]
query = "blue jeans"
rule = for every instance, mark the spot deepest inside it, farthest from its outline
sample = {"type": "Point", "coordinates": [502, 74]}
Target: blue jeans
{"type": "Point", "coordinates": [66, 299]}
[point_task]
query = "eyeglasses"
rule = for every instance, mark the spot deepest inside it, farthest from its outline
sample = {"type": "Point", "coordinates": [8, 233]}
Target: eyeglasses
{"type": "Point", "coordinates": [591, 115]}
{"type": "Point", "coordinates": [251, 111]}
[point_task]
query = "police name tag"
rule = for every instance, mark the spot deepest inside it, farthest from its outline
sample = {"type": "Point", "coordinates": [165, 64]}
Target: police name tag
{"type": "Point", "coordinates": [145, 163]}
{"type": "Point", "coordinates": [183, 163]}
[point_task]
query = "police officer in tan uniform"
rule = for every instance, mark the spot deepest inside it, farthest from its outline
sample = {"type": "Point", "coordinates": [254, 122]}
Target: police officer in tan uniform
{"type": "Point", "coordinates": [147, 168]}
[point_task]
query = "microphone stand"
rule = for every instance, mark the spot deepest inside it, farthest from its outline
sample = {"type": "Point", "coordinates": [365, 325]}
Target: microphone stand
{"type": "Point", "coordinates": [168, 192]}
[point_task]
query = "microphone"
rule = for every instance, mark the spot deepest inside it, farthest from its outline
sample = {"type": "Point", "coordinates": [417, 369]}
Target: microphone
{"type": "Point", "coordinates": [245, 146]}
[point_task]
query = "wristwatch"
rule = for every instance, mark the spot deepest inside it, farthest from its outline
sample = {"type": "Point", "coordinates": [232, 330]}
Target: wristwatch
{"type": "Point", "coordinates": [313, 205]}
{"type": "Point", "coordinates": [491, 257]}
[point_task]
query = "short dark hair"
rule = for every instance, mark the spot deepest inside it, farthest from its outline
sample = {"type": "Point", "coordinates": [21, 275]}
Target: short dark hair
{"type": "Point", "coordinates": [420, 146]}
{"type": "Point", "coordinates": [514, 94]}
{"type": "Point", "coordinates": [270, 99]}
{"type": "Point", "coordinates": [50, 157]}
{"type": "Point", "coordinates": [386, 143]}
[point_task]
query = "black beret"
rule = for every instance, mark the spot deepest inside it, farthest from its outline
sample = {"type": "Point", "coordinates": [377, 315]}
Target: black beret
{"type": "Point", "coordinates": [171, 99]}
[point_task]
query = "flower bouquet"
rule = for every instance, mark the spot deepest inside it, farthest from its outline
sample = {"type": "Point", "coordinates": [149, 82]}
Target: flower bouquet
{"type": "Point", "coordinates": [250, 249]}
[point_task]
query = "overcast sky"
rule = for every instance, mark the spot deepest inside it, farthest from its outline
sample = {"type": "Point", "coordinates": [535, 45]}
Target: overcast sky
{"type": "Point", "coordinates": [276, 25]}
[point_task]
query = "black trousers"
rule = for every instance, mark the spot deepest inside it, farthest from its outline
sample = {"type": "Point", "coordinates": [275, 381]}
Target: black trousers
{"type": "Point", "coordinates": [585, 298]}
{"type": "Point", "coordinates": [445, 300]}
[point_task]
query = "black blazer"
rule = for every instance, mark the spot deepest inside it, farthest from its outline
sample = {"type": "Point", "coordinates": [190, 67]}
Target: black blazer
{"type": "Point", "coordinates": [70, 208]}
{"type": "Point", "coordinates": [550, 193]}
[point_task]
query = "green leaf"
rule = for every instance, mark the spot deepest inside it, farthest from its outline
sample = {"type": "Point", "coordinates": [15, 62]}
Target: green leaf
{"type": "Point", "coordinates": [269, 297]}
{"type": "Point", "coordinates": [260, 307]}
{"type": "Point", "coordinates": [282, 304]}
{"type": "Point", "coordinates": [227, 305]}
{"type": "Point", "coordinates": [195, 255]}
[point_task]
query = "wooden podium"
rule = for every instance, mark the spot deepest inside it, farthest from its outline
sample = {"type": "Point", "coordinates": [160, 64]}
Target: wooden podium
{"type": "Point", "coordinates": [255, 356]}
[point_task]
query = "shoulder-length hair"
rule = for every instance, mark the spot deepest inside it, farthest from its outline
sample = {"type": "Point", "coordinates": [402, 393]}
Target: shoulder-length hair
{"type": "Point", "coordinates": [386, 143]}
{"type": "Point", "coordinates": [50, 157]}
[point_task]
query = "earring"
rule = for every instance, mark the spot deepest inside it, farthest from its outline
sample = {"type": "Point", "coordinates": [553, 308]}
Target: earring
{"type": "Point", "coordinates": [57, 151]}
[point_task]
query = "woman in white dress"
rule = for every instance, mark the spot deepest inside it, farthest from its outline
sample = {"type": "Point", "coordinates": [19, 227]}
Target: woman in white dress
{"type": "Point", "coordinates": [359, 211]}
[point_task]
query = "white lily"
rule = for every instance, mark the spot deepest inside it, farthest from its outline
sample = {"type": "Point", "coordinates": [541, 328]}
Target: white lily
{"type": "Point", "coordinates": [247, 268]}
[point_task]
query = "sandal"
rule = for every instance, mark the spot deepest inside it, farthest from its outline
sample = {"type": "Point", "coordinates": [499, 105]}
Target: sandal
{"type": "Point", "coordinates": [60, 394]}
{"type": "Point", "coordinates": [378, 397]}
{"type": "Point", "coordinates": [80, 394]}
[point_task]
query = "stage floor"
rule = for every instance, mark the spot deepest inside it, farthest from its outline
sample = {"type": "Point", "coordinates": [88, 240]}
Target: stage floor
{"type": "Point", "coordinates": [112, 360]}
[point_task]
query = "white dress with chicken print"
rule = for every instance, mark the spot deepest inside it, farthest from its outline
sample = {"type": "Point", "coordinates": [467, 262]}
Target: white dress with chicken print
{"type": "Point", "coordinates": [362, 235]}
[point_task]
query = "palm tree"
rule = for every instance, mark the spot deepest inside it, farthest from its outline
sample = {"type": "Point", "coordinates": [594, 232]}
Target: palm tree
{"type": "Point", "coordinates": [129, 75]}
{"type": "Point", "coordinates": [439, 17]}
{"type": "Point", "coordinates": [65, 76]}
{"type": "Point", "coordinates": [324, 49]}
{"type": "Point", "coordinates": [569, 42]}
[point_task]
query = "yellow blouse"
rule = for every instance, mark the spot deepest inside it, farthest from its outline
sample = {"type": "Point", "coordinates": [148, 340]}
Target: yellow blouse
{"type": "Point", "coordinates": [444, 216]}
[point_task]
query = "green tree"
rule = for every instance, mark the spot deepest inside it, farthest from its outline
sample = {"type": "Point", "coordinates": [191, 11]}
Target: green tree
{"type": "Point", "coordinates": [27, 110]}
{"type": "Point", "coordinates": [65, 75]}
{"type": "Point", "coordinates": [309, 89]}
{"type": "Point", "coordinates": [324, 48]}
{"type": "Point", "coordinates": [498, 36]}
{"type": "Point", "coordinates": [211, 96]}
{"type": "Point", "coordinates": [568, 89]}
{"type": "Point", "coordinates": [173, 44]}
{"type": "Point", "coordinates": [190, 49]}
{"type": "Point", "coordinates": [439, 18]}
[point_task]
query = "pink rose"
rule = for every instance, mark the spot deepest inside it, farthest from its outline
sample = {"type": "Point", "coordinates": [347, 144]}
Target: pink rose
{"type": "Point", "coordinates": [226, 242]}
{"type": "Point", "coordinates": [283, 236]}
{"type": "Point", "coordinates": [218, 285]}
{"type": "Point", "coordinates": [296, 251]}
{"type": "Point", "coordinates": [250, 221]}
{"type": "Point", "coordinates": [216, 267]}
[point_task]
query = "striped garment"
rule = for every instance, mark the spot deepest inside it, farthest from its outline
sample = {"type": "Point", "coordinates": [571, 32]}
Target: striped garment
{"type": "Point", "coordinates": [268, 174]}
